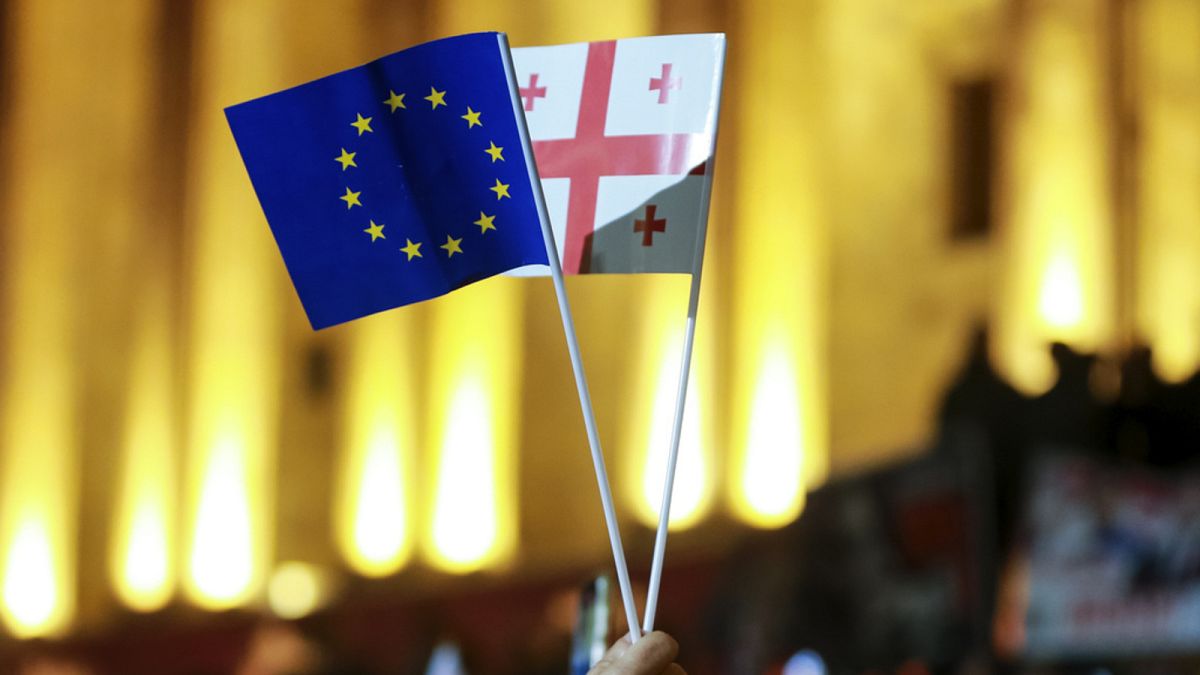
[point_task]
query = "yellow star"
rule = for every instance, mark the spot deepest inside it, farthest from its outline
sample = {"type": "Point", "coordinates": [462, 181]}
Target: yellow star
{"type": "Point", "coordinates": [347, 159]}
{"type": "Point", "coordinates": [363, 124]}
{"type": "Point", "coordinates": [495, 151]}
{"type": "Point", "coordinates": [485, 222]}
{"type": "Point", "coordinates": [452, 246]}
{"type": "Point", "coordinates": [413, 249]}
{"type": "Point", "coordinates": [395, 100]}
{"type": "Point", "coordinates": [472, 118]}
{"type": "Point", "coordinates": [436, 97]}
{"type": "Point", "coordinates": [351, 198]}
{"type": "Point", "coordinates": [501, 189]}
{"type": "Point", "coordinates": [376, 231]}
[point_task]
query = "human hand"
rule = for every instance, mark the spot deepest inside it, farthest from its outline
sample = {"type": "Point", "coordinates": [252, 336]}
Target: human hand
{"type": "Point", "coordinates": [654, 654]}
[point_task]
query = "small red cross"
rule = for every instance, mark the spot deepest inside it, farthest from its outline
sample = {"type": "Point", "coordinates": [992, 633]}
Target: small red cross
{"type": "Point", "coordinates": [532, 92]}
{"type": "Point", "coordinates": [592, 154]}
{"type": "Point", "coordinates": [665, 84]}
{"type": "Point", "coordinates": [650, 225]}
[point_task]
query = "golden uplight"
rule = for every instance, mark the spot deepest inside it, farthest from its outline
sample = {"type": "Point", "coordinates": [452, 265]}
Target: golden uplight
{"type": "Point", "coordinates": [141, 563]}
{"type": "Point", "coordinates": [373, 515]}
{"type": "Point", "coordinates": [474, 363]}
{"type": "Point", "coordinates": [652, 411]}
{"type": "Point", "coordinates": [770, 482]}
{"type": "Point", "coordinates": [33, 602]}
{"type": "Point", "coordinates": [221, 567]}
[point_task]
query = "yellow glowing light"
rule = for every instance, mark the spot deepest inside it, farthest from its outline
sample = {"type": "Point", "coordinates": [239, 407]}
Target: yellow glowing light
{"type": "Point", "coordinates": [373, 529]}
{"type": "Point", "coordinates": [141, 565]}
{"type": "Point", "coordinates": [474, 379]}
{"type": "Point", "coordinates": [221, 566]}
{"type": "Point", "coordinates": [1061, 303]}
{"type": "Point", "coordinates": [689, 494]}
{"type": "Point", "coordinates": [145, 574]}
{"type": "Point", "coordinates": [379, 527]}
{"type": "Point", "coordinates": [771, 486]}
{"type": "Point", "coordinates": [31, 597]}
{"type": "Point", "coordinates": [1058, 264]}
{"type": "Point", "coordinates": [296, 589]}
{"type": "Point", "coordinates": [464, 516]}
{"type": "Point", "coordinates": [652, 412]}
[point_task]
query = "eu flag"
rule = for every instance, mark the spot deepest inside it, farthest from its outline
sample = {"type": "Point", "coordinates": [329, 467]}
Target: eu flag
{"type": "Point", "coordinates": [394, 182]}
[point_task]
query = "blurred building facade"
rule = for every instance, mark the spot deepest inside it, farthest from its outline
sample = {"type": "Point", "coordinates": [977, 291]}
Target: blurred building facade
{"type": "Point", "coordinates": [891, 173]}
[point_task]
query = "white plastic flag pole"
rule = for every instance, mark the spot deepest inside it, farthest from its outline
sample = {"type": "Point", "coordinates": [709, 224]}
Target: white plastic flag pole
{"type": "Point", "coordinates": [664, 515]}
{"type": "Point", "coordinates": [564, 308]}
{"type": "Point", "coordinates": [685, 363]}
{"type": "Point", "coordinates": [685, 366]}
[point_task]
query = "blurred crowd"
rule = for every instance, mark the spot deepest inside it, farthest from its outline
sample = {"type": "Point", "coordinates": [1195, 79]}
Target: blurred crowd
{"type": "Point", "coordinates": [1116, 411]}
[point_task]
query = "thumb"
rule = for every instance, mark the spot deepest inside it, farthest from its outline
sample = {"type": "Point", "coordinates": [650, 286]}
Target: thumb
{"type": "Point", "coordinates": [650, 656]}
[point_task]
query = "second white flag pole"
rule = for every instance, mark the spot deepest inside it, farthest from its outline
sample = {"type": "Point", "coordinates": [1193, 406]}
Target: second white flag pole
{"type": "Point", "coordinates": [685, 366]}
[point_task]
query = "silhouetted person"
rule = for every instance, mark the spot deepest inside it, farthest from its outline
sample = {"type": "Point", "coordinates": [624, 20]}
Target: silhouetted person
{"type": "Point", "coordinates": [1175, 439]}
{"type": "Point", "coordinates": [983, 418]}
{"type": "Point", "coordinates": [1069, 416]}
{"type": "Point", "coordinates": [983, 423]}
{"type": "Point", "coordinates": [1138, 414]}
{"type": "Point", "coordinates": [979, 395]}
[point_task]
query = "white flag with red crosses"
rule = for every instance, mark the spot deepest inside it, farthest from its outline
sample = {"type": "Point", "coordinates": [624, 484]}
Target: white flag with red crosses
{"type": "Point", "coordinates": [623, 132]}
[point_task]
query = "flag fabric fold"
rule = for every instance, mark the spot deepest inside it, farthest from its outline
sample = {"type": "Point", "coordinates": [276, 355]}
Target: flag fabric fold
{"type": "Point", "coordinates": [393, 182]}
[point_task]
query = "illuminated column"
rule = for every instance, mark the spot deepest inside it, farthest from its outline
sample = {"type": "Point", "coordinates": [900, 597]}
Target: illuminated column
{"type": "Point", "coordinates": [142, 560]}
{"type": "Point", "coordinates": [474, 362]}
{"type": "Point", "coordinates": [52, 168]}
{"type": "Point", "coordinates": [1168, 199]}
{"type": "Point", "coordinates": [375, 477]}
{"type": "Point", "coordinates": [129, 501]}
{"type": "Point", "coordinates": [779, 439]}
{"type": "Point", "coordinates": [1057, 223]}
{"type": "Point", "coordinates": [650, 408]}
{"type": "Point", "coordinates": [235, 317]}
{"type": "Point", "coordinates": [65, 53]}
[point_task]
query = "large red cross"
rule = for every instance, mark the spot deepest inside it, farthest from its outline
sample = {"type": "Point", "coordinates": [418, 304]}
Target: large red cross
{"type": "Point", "coordinates": [650, 225]}
{"type": "Point", "coordinates": [664, 84]}
{"type": "Point", "coordinates": [532, 92]}
{"type": "Point", "coordinates": [591, 154]}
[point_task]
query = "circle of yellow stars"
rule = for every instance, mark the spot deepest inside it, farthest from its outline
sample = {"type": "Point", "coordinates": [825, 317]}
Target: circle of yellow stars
{"type": "Point", "coordinates": [473, 118]}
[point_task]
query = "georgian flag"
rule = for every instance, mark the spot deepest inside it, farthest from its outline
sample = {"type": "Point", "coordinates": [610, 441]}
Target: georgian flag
{"type": "Point", "coordinates": [623, 132]}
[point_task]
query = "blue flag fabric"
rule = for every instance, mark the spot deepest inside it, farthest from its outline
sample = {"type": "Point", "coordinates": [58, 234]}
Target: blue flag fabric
{"type": "Point", "coordinates": [394, 182]}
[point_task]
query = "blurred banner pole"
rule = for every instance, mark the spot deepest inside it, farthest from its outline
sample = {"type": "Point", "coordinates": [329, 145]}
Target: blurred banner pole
{"type": "Point", "coordinates": [564, 308]}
